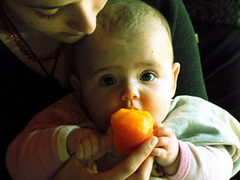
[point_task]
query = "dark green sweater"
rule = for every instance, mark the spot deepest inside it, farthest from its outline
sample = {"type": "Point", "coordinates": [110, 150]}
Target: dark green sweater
{"type": "Point", "coordinates": [185, 47]}
{"type": "Point", "coordinates": [225, 12]}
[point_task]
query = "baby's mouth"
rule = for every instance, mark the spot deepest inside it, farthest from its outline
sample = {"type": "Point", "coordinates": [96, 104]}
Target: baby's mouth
{"type": "Point", "coordinates": [131, 105]}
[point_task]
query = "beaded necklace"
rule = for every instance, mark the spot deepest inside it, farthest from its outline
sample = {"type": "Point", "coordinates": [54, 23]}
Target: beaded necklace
{"type": "Point", "coordinates": [25, 48]}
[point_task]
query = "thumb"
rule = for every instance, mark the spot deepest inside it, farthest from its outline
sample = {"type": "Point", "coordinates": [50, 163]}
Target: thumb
{"type": "Point", "coordinates": [106, 142]}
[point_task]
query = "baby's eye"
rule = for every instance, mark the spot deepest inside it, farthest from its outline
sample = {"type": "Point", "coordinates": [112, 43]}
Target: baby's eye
{"type": "Point", "coordinates": [148, 76]}
{"type": "Point", "coordinates": [109, 80]}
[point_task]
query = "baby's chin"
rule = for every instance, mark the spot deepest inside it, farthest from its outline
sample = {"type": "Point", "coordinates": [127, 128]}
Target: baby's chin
{"type": "Point", "coordinates": [67, 38]}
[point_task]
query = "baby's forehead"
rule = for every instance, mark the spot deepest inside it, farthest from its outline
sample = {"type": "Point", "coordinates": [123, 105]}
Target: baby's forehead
{"type": "Point", "coordinates": [93, 50]}
{"type": "Point", "coordinates": [97, 40]}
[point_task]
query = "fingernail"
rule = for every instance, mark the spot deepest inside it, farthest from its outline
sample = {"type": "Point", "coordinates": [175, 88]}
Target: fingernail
{"type": "Point", "coordinates": [153, 142]}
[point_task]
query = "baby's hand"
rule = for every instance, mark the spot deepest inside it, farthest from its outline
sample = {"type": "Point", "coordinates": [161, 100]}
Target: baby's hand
{"type": "Point", "coordinates": [88, 144]}
{"type": "Point", "coordinates": [166, 150]}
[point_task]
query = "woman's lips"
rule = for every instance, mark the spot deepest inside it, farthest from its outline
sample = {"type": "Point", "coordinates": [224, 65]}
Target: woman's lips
{"type": "Point", "coordinates": [70, 34]}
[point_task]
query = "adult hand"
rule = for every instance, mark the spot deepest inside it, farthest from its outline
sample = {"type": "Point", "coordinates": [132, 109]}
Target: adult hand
{"type": "Point", "coordinates": [136, 166]}
{"type": "Point", "coordinates": [144, 171]}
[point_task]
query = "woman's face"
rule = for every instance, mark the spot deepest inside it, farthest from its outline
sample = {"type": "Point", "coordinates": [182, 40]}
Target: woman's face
{"type": "Point", "coordinates": [63, 20]}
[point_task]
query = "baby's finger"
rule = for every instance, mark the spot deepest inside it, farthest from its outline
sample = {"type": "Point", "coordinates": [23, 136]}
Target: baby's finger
{"type": "Point", "coordinates": [87, 149]}
{"type": "Point", "coordinates": [163, 131]}
{"type": "Point", "coordinates": [163, 142]}
{"type": "Point", "coordinates": [158, 125]}
{"type": "Point", "coordinates": [104, 144]}
{"type": "Point", "coordinates": [106, 140]}
{"type": "Point", "coordinates": [159, 153]}
{"type": "Point", "coordinates": [95, 145]}
{"type": "Point", "coordinates": [79, 152]}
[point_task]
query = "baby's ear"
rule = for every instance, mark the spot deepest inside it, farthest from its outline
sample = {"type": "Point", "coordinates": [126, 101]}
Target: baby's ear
{"type": "Point", "coordinates": [75, 81]}
{"type": "Point", "coordinates": [175, 70]}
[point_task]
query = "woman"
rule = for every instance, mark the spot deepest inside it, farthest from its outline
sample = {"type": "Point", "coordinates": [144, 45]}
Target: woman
{"type": "Point", "coordinates": [35, 52]}
{"type": "Point", "coordinates": [34, 77]}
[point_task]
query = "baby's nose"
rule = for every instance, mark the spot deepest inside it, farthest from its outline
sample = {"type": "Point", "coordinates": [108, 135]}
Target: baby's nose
{"type": "Point", "coordinates": [130, 92]}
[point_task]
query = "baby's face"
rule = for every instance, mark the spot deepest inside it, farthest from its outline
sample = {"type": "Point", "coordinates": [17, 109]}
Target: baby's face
{"type": "Point", "coordinates": [135, 73]}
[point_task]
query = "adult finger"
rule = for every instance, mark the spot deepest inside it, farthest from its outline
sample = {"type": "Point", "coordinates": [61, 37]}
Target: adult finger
{"type": "Point", "coordinates": [144, 171]}
{"type": "Point", "coordinates": [127, 167]}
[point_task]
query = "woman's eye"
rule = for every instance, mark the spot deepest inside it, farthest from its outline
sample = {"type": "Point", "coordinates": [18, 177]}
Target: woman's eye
{"type": "Point", "coordinates": [48, 13]}
{"type": "Point", "coordinates": [148, 76]}
{"type": "Point", "coordinates": [108, 81]}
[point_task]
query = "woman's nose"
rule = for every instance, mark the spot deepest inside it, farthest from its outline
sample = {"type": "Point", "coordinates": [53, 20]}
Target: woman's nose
{"type": "Point", "coordinates": [130, 92]}
{"type": "Point", "coordinates": [83, 17]}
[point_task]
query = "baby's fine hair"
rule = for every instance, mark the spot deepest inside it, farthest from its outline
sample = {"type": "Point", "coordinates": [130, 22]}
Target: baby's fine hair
{"type": "Point", "coordinates": [127, 16]}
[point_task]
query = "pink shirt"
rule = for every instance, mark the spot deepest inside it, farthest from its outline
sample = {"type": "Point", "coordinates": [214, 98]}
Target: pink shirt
{"type": "Point", "coordinates": [40, 150]}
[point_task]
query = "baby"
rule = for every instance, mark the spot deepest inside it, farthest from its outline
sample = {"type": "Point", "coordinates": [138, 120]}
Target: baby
{"type": "Point", "coordinates": [128, 63]}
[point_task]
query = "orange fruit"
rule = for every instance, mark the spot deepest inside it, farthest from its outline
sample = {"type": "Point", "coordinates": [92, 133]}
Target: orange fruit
{"type": "Point", "coordinates": [130, 129]}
